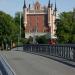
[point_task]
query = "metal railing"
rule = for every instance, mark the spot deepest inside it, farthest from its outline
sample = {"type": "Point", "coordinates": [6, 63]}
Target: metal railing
{"type": "Point", "coordinates": [66, 51]}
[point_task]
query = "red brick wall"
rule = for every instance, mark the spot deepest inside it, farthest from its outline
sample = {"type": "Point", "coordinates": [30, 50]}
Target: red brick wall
{"type": "Point", "coordinates": [31, 22]}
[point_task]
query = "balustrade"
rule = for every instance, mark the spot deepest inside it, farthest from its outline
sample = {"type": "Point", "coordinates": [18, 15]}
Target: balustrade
{"type": "Point", "coordinates": [66, 51]}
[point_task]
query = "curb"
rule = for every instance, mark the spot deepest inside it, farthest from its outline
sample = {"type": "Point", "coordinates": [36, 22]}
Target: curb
{"type": "Point", "coordinates": [6, 66]}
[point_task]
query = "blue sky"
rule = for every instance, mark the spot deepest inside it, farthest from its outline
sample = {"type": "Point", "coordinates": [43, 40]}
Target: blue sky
{"type": "Point", "coordinates": [12, 6]}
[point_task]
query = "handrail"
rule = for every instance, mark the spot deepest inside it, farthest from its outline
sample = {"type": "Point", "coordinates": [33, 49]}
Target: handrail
{"type": "Point", "coordinates": [66, 51]}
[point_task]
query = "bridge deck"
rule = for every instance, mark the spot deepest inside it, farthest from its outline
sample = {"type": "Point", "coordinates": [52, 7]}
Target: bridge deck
{"type": "Point", "coordinates": [30, 64]}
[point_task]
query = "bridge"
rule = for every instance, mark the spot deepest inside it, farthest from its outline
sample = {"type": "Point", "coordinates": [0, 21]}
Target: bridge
{"type": "Point", "coordinates": [31, 62]}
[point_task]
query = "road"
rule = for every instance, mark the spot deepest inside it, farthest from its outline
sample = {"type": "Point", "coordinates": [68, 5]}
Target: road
{"type": "Point", "coordinates": [29, 64]}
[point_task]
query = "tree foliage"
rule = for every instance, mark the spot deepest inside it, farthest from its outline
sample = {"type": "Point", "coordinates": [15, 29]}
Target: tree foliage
{"type": "Point", "coordinates": [66, 27]}
{"type": "Point", "coordinates": [8, 28]}
{"type": "Point", "coordinates": [42, 40]}
{"type": "Point", "coordinates": [19, 18]}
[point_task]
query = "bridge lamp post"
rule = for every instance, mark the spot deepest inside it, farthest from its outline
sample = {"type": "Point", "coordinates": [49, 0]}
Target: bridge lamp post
{"type": "Point", "coordinates": [20, 24]}
{"type": "Point", "coordinates": [5, 43]}
{"type": "Point", "coordinates": [17, 35]}
{"type": "Point", "coordinates": [11, 44]}
{"type": "Point", "coordinates": [34, 30]}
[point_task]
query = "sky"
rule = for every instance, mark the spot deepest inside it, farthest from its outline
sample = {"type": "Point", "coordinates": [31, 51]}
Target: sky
{"type": "Point", "coordinates": [12, 6]}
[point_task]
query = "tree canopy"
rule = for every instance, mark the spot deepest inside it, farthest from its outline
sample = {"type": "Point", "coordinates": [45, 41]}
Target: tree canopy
{"type": "Point", "coordinates": [66, 27]}
{"type": "Point", "coordinates": [8, 28]}
{"type": "Point", "coordinates": [19, 18]}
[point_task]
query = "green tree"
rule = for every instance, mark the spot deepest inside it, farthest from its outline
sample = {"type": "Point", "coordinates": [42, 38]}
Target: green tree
{"type": "Point", "coordinates": [8, 28]}
{"type": "Point", "coordinates": [66, 27]}
{"type": "Point", "coordinates": [19, 17]}
{"type": "Point", "coordinates": [42, 40]}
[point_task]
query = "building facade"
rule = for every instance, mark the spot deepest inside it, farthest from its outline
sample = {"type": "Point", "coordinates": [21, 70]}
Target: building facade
{"type": "Point", "coordinates": [39, 20]}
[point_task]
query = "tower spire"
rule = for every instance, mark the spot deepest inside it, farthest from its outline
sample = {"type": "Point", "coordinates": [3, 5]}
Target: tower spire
{"type": "Point", "coordinates": [55, 10]}
{"type": "Point", "coordinates": [55, 7]}
{"type": "Point", "coordinates": [24, 4]}
{"type": "Point", "coordinates": [49, 4]}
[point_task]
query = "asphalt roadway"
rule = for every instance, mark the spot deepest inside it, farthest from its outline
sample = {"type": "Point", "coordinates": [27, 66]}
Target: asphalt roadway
{"type": "Point", "coordinates": [29, 64]}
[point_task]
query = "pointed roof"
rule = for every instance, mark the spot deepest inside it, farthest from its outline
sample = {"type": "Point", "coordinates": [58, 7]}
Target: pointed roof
{"type": "Point", "coordinates": [55, 7]}
{"type": "Point", "coordinates": [24, 4]}
{"type": "Point", "coordinates": [29, 6]}
{"type": "Point", "coordinates": [49, 4]}
{"type": "Point", "coordinates": [37, 2]}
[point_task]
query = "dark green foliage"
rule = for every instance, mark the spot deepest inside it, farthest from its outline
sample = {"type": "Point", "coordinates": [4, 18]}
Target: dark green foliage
{"type": "Point", "coordinates": [42, 40]}
{"type": "Point", "coordinates": [17, 17]}
{"type": "Point", "coordinates": [66, 27]}
{"type": "Point", "coordinates": [8, 28]}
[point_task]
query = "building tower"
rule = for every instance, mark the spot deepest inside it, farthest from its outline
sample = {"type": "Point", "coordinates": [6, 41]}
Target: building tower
{"type": "Point", "coordinates": [49, 16]}
{"type": "Point", "coordinates": [40, 19]}
{"type": "Point", "coordinates": [51, 21]}
{"type": "Point", "coordinates": [24, 15]}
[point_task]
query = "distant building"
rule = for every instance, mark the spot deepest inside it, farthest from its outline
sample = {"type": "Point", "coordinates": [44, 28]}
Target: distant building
{"type": "Point", "coordinates": [39, 20]}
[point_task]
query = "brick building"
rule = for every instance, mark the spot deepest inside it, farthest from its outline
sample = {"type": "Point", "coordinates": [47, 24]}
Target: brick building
{"type": "Point", "coordinates": [39, 20]}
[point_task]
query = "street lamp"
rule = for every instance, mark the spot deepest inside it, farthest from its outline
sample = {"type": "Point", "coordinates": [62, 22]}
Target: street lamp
{"type": "Point", "coordinates": [17, 40]}
{"type": "Point", "coordinates": [35, 29]}
{"type": "Point", "coordinates": [5, 40]}
{"type": "Point", "coordinates": [20, 24]}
